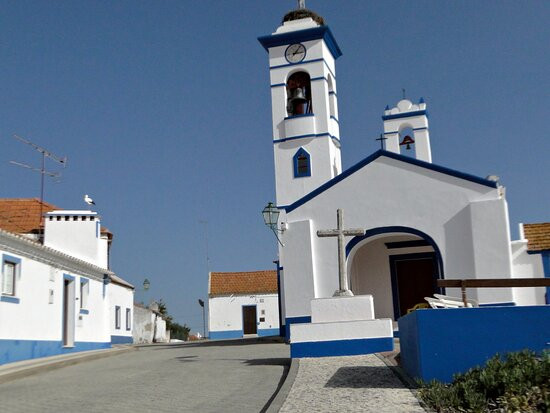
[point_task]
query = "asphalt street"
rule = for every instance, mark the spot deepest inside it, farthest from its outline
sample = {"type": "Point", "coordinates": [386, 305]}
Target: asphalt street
{"type": "Point", "coordinates": [218, 376]}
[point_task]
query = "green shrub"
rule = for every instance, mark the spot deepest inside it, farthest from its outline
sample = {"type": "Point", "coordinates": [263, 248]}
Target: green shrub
{"type": "Point", "coordinates": [519, 382]}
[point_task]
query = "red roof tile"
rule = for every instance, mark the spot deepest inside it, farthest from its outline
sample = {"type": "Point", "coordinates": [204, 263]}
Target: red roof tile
{"type": "Point", "coordinates": [22, 215]}
{"type": "Point", "coordinates": [253, 282]}
{"type": "Point", "coordinates": [538, 236]}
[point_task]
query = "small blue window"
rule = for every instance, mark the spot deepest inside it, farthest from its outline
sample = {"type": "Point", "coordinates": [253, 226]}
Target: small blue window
{"type": "Point", "coordinates": [302, 164]}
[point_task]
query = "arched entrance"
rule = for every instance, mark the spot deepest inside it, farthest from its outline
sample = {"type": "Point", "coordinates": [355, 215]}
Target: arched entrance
{"type": "Point", "coordinates": [398, 266]}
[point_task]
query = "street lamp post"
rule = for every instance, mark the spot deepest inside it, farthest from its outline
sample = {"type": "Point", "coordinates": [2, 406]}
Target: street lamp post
{"type": "Point", "coordinates": [201, 303]}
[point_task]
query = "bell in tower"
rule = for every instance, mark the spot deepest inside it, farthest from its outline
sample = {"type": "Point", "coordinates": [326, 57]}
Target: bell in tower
{"type": "Point", "coordinates": [299, 94]}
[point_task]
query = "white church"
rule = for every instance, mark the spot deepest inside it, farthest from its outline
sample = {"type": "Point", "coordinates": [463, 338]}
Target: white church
{"type": "Point", "coordinates": [420, 221]}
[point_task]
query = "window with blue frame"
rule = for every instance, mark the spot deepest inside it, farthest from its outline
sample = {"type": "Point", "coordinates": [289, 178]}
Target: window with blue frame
{"type": "Point", "coordinates": [10, 273]}
{"type": "Point", "coordinates": [302, 164]}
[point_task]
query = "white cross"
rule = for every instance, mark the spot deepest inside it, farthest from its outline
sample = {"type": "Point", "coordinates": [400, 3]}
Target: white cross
{"type": "Point", "coordinates": [340, 232]}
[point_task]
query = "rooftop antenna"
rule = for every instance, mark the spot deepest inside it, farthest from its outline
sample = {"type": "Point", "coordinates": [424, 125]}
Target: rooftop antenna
{"type": "Point", "coordinates": [42, 170]}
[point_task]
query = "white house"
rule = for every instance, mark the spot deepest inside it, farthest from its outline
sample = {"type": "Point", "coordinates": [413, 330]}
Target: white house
{"type": "Point", "coordinates": [58, 295]}
{"type": "Point", "coordinates": [421, 221]}
{"type": "Point", "coordinates": [242, 304]}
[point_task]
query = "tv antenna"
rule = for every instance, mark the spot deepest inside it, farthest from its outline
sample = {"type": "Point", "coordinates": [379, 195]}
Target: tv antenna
{"type": "Point", "coordinates": [42, 170]}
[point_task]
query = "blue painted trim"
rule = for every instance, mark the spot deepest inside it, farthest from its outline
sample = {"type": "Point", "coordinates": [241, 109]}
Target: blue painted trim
{"type": "Point", "coordinates": [84, 311]}
{"type": "Point", "coordinates": [122, 339]}
{"type": "Point", "coordinates": [17, 275]}
{"type": "Point", "coordinates": [279, 299]}
{"type": "Point", "coordinates": [407, 230]}
{"type": "Point", "coordinates": [332, 117]}
{"type": "Point", "coordinates": [84, 280]}
{"type": "Point", "coordinates": [305, 115]}
{"type": "Point", "coordinates": [318, 78]}
{"type": "Point", "coordinates": [332, 93]}
{"type": "Point", "coordinates": [268, 332]}
{"type": "Point", "coordinates": [545, 255]}
{"type": "Point", "coordinates": [393, 275]}
{"type": "Point", "coordinates": [405, 115]}
{"type": "Point", "coordinates": [68, 277]}
{"type": "Point", "coordinates": [295, 320]}
{"type": "Point", "coordinates": [341, 347]}
{"type": "Point", "coordinates": [297, 173]}
{"type": "Point", "coordinates": [414, 129]}
{"type": "Point", "coordinates": [304, 62]}
{"type": "Point", "coordinates": [224, 335]}
{"type": "Point", "coordinates": [311, 135]}
{"type": "Point", "coordinates": [17, 350]}
{"type": "Point", "coordinates": [373, 157]}
{"type": "Point", "coordinates": [420, 128]}
{"type": "Point", "coordinates": [278, 85]}
{"type": "Point", "coordinates": [300, 36]}
{"type": "Point", "coordinates": [242, 316]}
{"type": "Point", "coordinates": [9, 299]}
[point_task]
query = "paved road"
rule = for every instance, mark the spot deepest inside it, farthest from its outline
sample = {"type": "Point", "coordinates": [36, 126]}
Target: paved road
{"type": "Point", "coordinates": [224, 376]}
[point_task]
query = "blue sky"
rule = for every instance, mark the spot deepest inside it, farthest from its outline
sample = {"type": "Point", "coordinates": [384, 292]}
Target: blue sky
{"type": "Point", "coordinates": [163, 109]}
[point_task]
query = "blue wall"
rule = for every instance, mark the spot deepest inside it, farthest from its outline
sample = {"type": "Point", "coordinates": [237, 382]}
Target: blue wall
{"type": "Point", "coordinates": [224, 335]}
{"type": "Point", "coordinates": [122, 339]}
{"type": "Point", "coordinates": [341, 347]}
{"type": "Point", "coordinates": [437, 343]}
{"type": "Point", "coordinates": [17, 350]}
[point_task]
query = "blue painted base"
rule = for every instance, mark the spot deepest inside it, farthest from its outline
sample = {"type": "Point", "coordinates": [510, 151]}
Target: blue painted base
{"type": "Point", "coordinates": [229, 334]}
{"type": "Point", "coordinates": [294, 320]}
{"type": "Point", "coordinates": [18, 350]}
{"type": "Point", "coordinates": [122, 339]}
{"type": "Point", "coordinates": [436, 344]}
{"type": "Point", "coordinates": [341, 347]}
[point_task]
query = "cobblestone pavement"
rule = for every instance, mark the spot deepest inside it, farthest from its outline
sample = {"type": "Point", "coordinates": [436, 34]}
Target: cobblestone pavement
{"type": "Point", "coordinates": [348, 384]}
{"type": "Point", "coordinates": [224, 376]}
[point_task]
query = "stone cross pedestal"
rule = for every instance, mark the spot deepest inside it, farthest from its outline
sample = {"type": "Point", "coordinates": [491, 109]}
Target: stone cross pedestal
{"type": "Point", "coordinates": [340, 232]}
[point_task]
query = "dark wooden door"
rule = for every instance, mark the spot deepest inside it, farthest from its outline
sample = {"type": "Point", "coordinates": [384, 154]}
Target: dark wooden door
{"type": "Point", "coordinates": [249, 319]}
{"type": "Point", "coordinates": [414, 279]}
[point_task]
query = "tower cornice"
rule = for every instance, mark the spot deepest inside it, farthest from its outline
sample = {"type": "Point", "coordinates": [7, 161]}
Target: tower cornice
{"type": "Point", "coordinates": [315, 33]}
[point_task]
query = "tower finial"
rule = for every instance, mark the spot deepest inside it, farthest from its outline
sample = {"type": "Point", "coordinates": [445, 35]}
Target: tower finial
{"type": "Point", "coordinates": [301, 4]}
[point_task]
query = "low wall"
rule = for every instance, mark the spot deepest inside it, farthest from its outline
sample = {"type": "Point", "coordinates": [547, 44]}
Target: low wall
{"type": "Point", "coordinates": [437, 343]}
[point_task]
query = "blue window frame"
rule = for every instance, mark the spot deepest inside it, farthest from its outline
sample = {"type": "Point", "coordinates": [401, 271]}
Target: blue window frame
{"type": "Point", "coordinates": [11, 270]}
{"type": "Point", "coordinates": [302, 164]}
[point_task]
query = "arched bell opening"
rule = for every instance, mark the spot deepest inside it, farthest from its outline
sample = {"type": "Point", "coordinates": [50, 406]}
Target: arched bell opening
{"type": "Point", "coordinates": [398, 266]}
{"type": "Point", "coordinates": [406, 141]}
{"type": "Point", "coordinates": [298, 91]}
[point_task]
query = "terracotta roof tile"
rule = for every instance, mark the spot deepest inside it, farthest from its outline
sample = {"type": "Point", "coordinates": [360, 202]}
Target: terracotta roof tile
{"type": "Point", "coordinates": [253, 282]}
{"type": "Point", "coordinates": [22, 215]}
{"type": "Point", "coordinates": [538, 236]}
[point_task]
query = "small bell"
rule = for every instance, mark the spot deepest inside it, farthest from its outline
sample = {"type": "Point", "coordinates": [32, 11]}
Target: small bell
{"type": "Point", "coordinates": [298, 101]}
{"type": "Point", "coordinates": [407, 140]}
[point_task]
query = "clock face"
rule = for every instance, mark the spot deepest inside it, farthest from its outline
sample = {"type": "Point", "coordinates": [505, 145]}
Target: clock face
{"type": "Point", "coordinates": [295, 53]}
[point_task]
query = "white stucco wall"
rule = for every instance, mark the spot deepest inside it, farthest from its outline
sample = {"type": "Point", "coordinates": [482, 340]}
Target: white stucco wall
{"type": "Point", "coordinates": [122, 297]}
{"type": "Point", "coordinates": [37, 317]}
{"type": "Point", "coordinates": [226, 314]}
{"type": "Point", "coordinates": [527, 266]}
{"type": "Point", "coordinates": [468, 222]}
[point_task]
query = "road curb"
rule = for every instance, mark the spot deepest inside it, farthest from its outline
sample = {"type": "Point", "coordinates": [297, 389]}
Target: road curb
{"type": "Point", "coordinates": [282, 393]}
{"type": "Point", "coordinates": [12, 371]}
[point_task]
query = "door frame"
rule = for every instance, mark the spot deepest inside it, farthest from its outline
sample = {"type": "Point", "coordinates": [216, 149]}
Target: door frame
{"type": "Point", "coordinates": [393, 274]}
{"type": "Point", "coordinates": [68, 311]}
{"type": "Point", "coordinates": [255, 321]}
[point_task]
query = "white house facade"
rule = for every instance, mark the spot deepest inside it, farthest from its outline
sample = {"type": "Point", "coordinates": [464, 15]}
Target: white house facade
{"type": "Point", "coordinates": [242, 304]}
{"type": "Point", "coordinates": [422, 221]}
{"type": "Point", "coordinates": [57, 296]}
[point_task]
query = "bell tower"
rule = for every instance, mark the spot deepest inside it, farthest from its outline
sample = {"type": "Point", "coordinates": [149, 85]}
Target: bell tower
{"type": "Point", "coordinates": [306, 137]}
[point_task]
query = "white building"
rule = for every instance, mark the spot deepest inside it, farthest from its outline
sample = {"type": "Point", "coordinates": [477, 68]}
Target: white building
{"type": "Point", "coordinates": [58, 296]}
{"type": "Point", "coordinates": [242, 304]}
{"type": "Point", "coordinates": [422, 221]}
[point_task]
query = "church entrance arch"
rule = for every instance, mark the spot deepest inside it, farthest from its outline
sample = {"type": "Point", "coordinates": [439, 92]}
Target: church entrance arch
{"type": "Point", "coordinates": [398, 266]}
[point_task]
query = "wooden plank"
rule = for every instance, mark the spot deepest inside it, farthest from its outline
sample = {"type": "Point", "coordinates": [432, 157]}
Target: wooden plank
{"type": "Point", "coordinates": [495, 283]}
